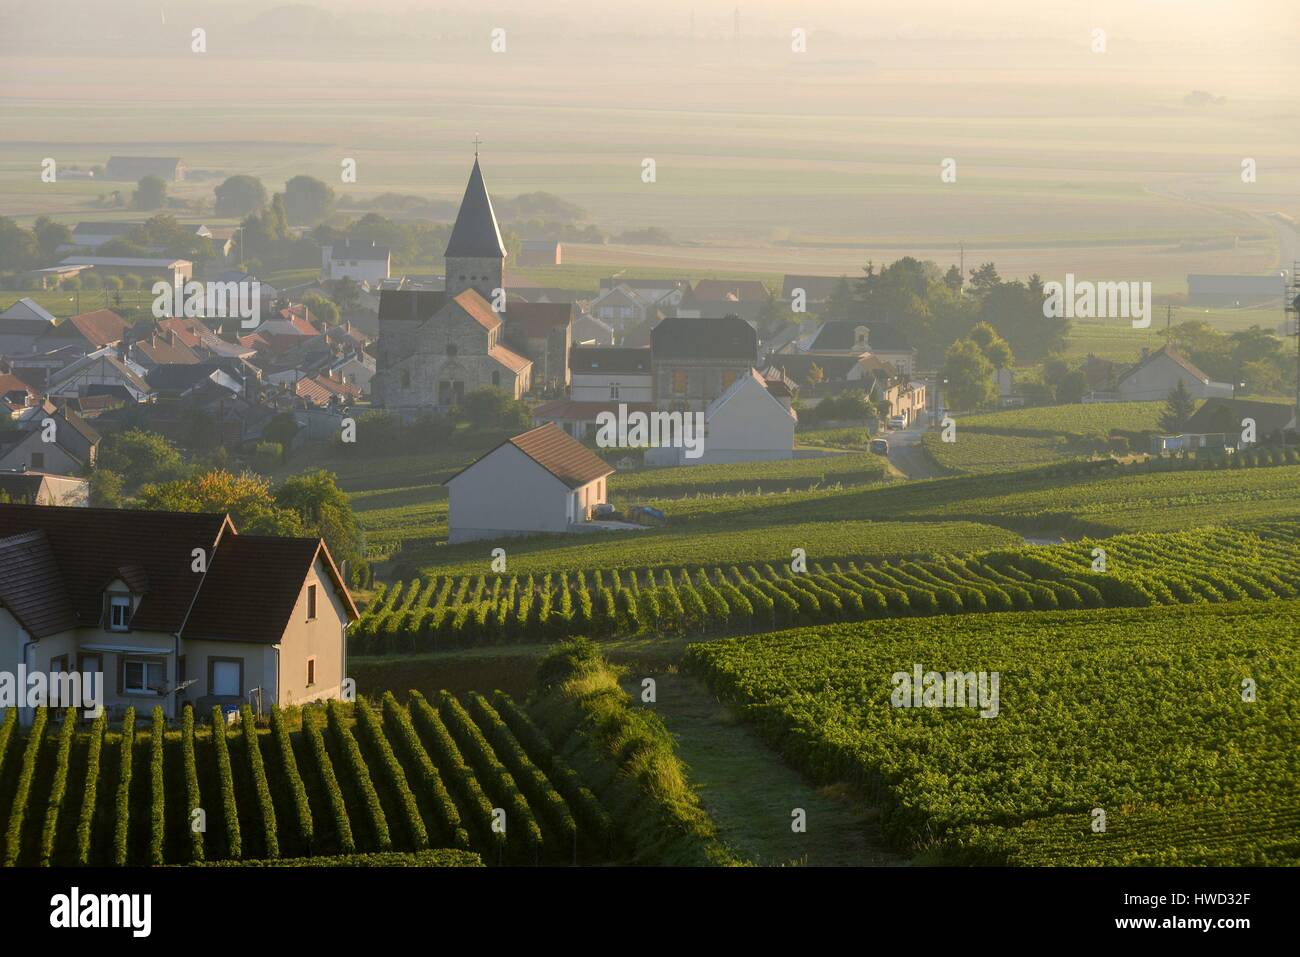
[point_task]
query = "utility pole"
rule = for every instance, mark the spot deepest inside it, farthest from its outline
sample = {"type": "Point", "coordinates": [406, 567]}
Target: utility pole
{"type": "Point", "coordinates": [1169, 316]}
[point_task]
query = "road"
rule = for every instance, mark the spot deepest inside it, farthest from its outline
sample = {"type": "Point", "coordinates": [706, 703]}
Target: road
{"type": "Point", "coordinates": [906, 454]}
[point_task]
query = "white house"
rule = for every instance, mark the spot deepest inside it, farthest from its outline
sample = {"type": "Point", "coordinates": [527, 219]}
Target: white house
{"type": "Point", "coordinates": [539, 481]}
{"type": "Point", "coordinates": [604, 375]}
{"type": "Point", "coordinates": [1159, 373]}
{"type": "Point", "coordinates": [361, 260]}
{"type": "Point", "coordinates": [21, 325]}
{"type": "Point", "coordinates": [747, 423]}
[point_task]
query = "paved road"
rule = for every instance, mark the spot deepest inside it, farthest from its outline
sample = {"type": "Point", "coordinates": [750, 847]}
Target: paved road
{"type": "Point", "coordinates": [906, 454]}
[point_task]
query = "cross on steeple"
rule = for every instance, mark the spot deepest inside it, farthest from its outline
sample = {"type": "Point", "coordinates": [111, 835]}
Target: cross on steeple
{"type": "Point", "coordinates": [477, 141]}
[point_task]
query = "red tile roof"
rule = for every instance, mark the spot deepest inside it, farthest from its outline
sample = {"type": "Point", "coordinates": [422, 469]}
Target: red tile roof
{"type": "Point", "coordinates": [509, 358]}
{"type": "Point", "coordinates": [102, 327]}
{"type": "Point", "coordinates": [556, 451]}
{"type": "Point", "coordinates": [478, 309]}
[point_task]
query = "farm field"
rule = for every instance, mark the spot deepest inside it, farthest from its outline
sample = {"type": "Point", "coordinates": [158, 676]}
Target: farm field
{"type": "Point", "coordinates": [1138, 713]}
{"type": "Point", "coordinates": [376, 777]}
{"type": "Point", "coordinates": [695, 599]}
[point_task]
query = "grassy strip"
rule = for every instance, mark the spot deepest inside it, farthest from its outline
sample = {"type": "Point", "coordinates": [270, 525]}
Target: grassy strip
{"type": "Point", "coordinates": [442, 857]}
{"type": "Point", "coordinates": [628, 755]}
{"type": "Point", "coordinates": [26, 772]}
{"type": "Point", "coordinates": [122, 805]}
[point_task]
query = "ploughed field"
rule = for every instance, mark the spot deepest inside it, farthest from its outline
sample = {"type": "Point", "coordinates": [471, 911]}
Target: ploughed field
{"type": "Point", "coordinates": [1146, 736]}
{"type": "Point", "coordinates": [470, 775]}
{"type": "Point", "coordinates": [1207, 565]}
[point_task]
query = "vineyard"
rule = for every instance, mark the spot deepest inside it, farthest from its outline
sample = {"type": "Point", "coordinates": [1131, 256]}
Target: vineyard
{"type": "Point", "coordinates": [1178, 724]}
{"type": "Point", "coordinates": [1215, 564]}
{"type": "Point", "coordinates": [375, 777]}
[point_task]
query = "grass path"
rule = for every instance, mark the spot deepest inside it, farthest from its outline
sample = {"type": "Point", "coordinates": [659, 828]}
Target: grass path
{"type": "Point", "coordinates": [750, 792]}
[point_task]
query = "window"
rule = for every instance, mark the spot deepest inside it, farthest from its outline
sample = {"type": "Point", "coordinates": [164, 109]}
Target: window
{"type": "Point", "coordinates": [452, 349]}
{"type": "Point", "coordinates": [143, 676]}
{"type": "Point", "coordinates": [311, 602]}
{"type": "Point", "coordinates": [226, 677]}
{"type": "Point", "coordinates": [119, 612]}
{"type": "Point", "coordinates": [311, 672]}
{"type": "Point", "coordinates": [613, 390]}
{"type": "Point", "coordinates": [38, 461]}
{"type": "Point", "coordinates": [679, 381]}
{"type": "Point", "coordinates": [90, 664]}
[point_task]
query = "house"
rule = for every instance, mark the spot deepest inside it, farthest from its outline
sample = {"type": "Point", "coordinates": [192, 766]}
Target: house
{"type": "Point", "coordinates": [884, 340]}
{"type": "Point", "coordinates": [28, 310]}
{"type": "Point", "coordinates": [49, 277]}
{"type": "Point", "coordinates": [115, 592]}
{"type": "Point", "coordinates": [539, 481]}
{"type": "Point", "coordinates": [817, 290]}
{"type": "Point", "coordinates": [831, 373]}
{"type": "Point", "coordinates": [540, 252]}
{"type": "Point", "coordinates": [175, 272]}
{"type": "Point", "coordinates": [1226, 416]}
{"type": "Point", "coordinates": [749, 422]}
{"type": "Point", "coordinates": [622, 305]}
{"type": "Point", "coordinates": [16, 394]}
{"type": "Point", "coordinates": [434, 347]}
{"type": "Point", "coordinates": [135, 168]}
{"type": "Point", "coordinates": [361, 260]}
{"type": "Point", "coordinates": [725, 297]}
{"type": "Point", "coordinates": [603, 379]}
{"type": "Point", "coordinates": [665, 294]}
{"type": "Point", "coordinates": [180, 379]}
{"type": "Point", "coordinates": [59, 442]}
{"type": "Point", "coordinates": [355, 369]}
{"type": "Point", "coordinates": [695, 360]}
{"type": "Point", "coordinates": [543, 332]}
{"type": "Point", "coordinates": [1158, 374]}
{"type": "Point", "coordinates": [43, 488]}
{"type": "Point", "coordinates": [100, 373]}
{"type": "Point", "coordinates": [1222, 290]}
{"type": "Point", "coordinates": [589, 331]}
{"type": "Point", "coordinates": [906, 398]}
{"type": "Point", "coordinates": [87, 332]}
{"type": "Point", "coordinates": [161, 350]}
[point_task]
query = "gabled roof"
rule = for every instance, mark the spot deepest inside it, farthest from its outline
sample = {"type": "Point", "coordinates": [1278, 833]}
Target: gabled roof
{"type": "Point", "coordinates": [102, 327]}
{"type": "Point", "coordinates": [729, 290]}
{"type": "Point", "coordinates": [597, 360]}
{"type": "Point", "coordinates": [1167, 351]}
{"type": "Point", "coordinates": [509, 358]}
{"type": "Point", "coordinates": [840, 335]}
{"type": "Point", "coordinates": [28, 310]}
{"type": "Point", "coordinates": [556, 451]}
{"type": "Point", "coordinates": [478, 309]}
{"type": "Point", "coordinates": [535, 320]}
{"type": "Point", "coordinates": [359, 249]}
{"type": "Point", "coordinates": [160, 351]}
{"type": "Point", "coordinates": [90, 545]}
{"type": "Point", "coordinates": [727, 338]}
{"type": "Point", "coordinates": [816, 288]}
{"type": "Point", "coordinates": [1224, 415]}
{"type": "Point", "coordinates": [78, 425]}
{"type": "Point", "coordinates": [475, 233]}
{"type": "Point", "coordinates": [750, 381]}
{"type": "Point", "coordinates": [413, 305]}
{"type": "Point", "coordinates": [31, 588]}
{"type": "Point", "coordinates": [125, 372]}
{"type": "Point", "coordinates": [253, 584]}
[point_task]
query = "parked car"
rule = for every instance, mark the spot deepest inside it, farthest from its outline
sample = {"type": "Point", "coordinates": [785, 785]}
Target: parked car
{"type": "Point", "coordinates": [603, 510]}
{"type": "Point", "coordinates": [645, 515]}
{"type": "Point", "coordinates": [897, 422]}
{"type": "Point", "coordinates": [880, 446]}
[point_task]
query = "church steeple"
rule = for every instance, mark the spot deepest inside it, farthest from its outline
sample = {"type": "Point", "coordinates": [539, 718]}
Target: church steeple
{"type": "Point", "coordinates": [476, 233]}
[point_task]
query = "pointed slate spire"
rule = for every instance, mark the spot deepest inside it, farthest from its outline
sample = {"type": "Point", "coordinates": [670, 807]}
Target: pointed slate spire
{"type": "Point", "coordinates": [476, 234]}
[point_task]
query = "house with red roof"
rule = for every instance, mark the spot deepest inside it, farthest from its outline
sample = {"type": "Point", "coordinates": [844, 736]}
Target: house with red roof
{"type": "Point", "coordinates": [171, 608]}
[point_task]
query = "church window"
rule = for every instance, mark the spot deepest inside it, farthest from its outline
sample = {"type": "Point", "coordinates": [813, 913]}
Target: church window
{"type": "Point", "coordinates": [451, 349]}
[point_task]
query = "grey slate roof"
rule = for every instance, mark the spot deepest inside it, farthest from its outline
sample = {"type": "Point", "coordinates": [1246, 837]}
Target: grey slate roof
{"type": "Point", "coordinates": [475, 233]}
{"type": "Point", "coordinates": [727, 338]}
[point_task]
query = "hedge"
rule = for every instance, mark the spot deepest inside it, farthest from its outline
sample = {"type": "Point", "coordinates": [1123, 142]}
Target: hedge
{"type": "Point", "coordinates": [85, 820]}
{"type": "Point", "coordinates": [338, 807]}
{"type": "Point", "coordinates": [234, 844]}
{"type": "Point", "coordinates": [248, 725]}
{"type": "Point", "coordinates": [302, 807]}
{"type": "Point", "coordinates": [356, 765]}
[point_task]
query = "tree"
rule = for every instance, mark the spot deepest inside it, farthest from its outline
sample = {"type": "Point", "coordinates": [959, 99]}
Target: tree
{"type": "Point", "coordinates": [346, 293]}
{"type": "Point", "coordinates": [1178, 409]}
{"type": "Point", "coordinates": [247, 498]}
{"type": "Point", "coordinates": [19, 248]}
{"type": "Point", "coordinates": [994, 347]}
{"type": "Point", "coordinates": [150, 193]}
{"type": "Point", "coordinates": [815, 374]}
{"type": "Point", "coordinates": [106, 489]}
{"type": "Point", "coordinates": [493, 408]}
{"type": "Point", "coordinates": [1072, 387]}
{"type": "Point", "coordinates": [320, 308]}
{"type": "Point", "coordinates": [240, 196]}
{"type": "Point", "coordinates": [970, 377]}
{"type": "Point", "coordinates": [325, 510]}
{"type": "Point", "coordinates": [953, 279]}
{"type": "Point", "coordinates": [307, 200]}
{"type": "Point", "coordinates": [142, 457]}
{"type": "Point", "coordinates": [50, 236]}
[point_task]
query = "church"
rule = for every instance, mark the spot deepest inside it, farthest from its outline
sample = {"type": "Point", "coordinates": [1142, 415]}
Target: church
{"type": "Point", "coordinates": [435, 347]}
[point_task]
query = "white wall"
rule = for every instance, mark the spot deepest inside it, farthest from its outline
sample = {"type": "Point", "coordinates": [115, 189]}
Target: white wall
{"type": "Point", "coordinates": [750, 423]}
{"type": "Point", "coordinates": [505, 493]}
{"type": "Point", "coordinates": [632, 387]}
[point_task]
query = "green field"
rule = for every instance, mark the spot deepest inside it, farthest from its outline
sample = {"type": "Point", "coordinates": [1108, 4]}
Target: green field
{"type": "Point", "coordinates": [1137, 713]}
